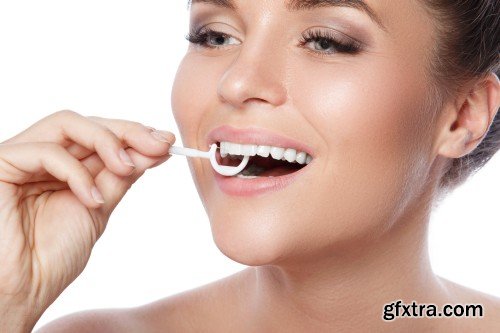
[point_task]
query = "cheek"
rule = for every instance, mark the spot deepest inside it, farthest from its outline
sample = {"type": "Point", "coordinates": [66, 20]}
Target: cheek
{"type": "Point", "coordinates": [374, 125]}
{"type": "Point", "coordinates": [183, 111]}
{"type": "Point", "coordinates": [190, 101]}
{"type": "Point", "coordinates": [194, 96]}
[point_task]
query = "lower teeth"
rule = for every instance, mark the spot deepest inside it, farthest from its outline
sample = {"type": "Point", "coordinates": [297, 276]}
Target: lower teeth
{"type": "Point", "coordinates": [246, 177]}
{"type": "Point", "coordinates": [252, 171]}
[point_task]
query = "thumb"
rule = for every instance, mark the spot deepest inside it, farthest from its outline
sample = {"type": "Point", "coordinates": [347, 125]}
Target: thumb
{"type": "Point", "coordinates": [114, 187]}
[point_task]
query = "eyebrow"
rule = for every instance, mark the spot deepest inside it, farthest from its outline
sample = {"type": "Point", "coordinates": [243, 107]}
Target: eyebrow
{"type": "Point", "coordinates": [297, 5]}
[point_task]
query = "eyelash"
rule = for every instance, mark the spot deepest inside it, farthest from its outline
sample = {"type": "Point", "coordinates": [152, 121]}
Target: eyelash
{"type": "Point", "coordinates": [349, 47]}
{"type": "Point", "coordinates": [200, 37]}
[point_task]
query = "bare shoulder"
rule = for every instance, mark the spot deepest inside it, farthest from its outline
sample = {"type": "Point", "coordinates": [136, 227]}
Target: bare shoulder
{"type": "Point", "coordinates": [214, 307]}
{"type": "Point", "coordinates": [96, 321]}
{"type": "Point", "coordinates": [489, 304]}
{"type": "Point", "coordinates": [204, 308]}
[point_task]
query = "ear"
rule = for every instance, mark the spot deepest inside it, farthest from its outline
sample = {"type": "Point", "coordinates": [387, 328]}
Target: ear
{"type": "Point", "coordinates": [468, 120]}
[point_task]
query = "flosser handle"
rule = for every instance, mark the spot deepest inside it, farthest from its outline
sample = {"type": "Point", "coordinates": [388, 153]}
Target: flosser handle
{"type": "Point", "coordinates": [211, 154]}
{"type": "Point", "coordinates": [189, 152]}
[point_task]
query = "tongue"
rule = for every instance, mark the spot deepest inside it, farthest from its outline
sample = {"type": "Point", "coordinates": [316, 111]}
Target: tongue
{"type": "Point", "coordinates": [277, 171]}
{"type": "Point", "coordinates": [273, 167]}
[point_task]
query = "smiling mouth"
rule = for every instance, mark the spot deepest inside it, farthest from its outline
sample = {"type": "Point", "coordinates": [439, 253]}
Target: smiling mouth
{"type": "Point", "coordinates": [265, 161]}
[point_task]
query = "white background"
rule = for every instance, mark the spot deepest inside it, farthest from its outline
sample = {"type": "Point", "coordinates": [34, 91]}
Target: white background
{"type": "Point", "coordinates": [118, 59]}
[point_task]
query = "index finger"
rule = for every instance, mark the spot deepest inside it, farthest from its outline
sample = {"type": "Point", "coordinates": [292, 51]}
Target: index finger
{"type": "Point", "coordinates": [84, 135]}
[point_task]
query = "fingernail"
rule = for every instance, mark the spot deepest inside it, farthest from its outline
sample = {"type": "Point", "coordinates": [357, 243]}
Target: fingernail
{"type": "Point", "coordinates": [162, 136]}
{"type": "Point", "coordinates": [97, 195]}
{"type": "Point", "coordinates": [126, 158]}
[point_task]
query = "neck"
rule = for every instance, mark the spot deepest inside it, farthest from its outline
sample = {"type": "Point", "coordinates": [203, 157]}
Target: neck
{"type": "Point", "coordinates": [346, 290]}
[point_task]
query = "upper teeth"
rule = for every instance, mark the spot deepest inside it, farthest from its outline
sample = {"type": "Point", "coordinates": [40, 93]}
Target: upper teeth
{"type": "Point", "coordinates": [278, 153]}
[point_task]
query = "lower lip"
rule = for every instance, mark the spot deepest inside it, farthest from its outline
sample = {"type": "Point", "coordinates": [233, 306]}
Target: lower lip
{"type": "Point", "coordinates": [254, 186]}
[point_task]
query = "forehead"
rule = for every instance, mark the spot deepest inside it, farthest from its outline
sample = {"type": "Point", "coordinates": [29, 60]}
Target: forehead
{"type": "Point", "coordinates": [387, 14]}
{"type": "Point", "coordinates": [289, 4]}
{"type": "Point", "coordinates": [406, 29]}
{"type": "Point", "coordinates": [298, 5]}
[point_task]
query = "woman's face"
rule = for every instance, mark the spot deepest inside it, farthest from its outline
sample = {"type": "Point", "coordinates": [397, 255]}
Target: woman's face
{"type": "Point", "coordinates": [359, 110]}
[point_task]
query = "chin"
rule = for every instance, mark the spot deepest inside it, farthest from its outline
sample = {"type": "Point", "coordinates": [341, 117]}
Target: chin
{"type": "Point", "coordinates": [251, 241]}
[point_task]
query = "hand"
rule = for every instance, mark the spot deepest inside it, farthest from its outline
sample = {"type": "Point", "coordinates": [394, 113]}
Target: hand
{"type": "Point", "coordinates": [60, 179]}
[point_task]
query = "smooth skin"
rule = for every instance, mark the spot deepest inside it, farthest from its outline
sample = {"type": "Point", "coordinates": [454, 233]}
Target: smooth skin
{"type": "Point", "coordinates": [49, 219]}
{"type": "Point", "coordinates": [357, 238]}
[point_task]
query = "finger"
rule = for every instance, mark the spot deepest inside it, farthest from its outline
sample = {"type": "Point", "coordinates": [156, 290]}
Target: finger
{"type": "Point", "coordinates": [94, 164]}
{"type": "Point", "coordinates": [137, 139]}
{"type": "Point", "coordinates": [114, 187]}
{"type": "Point", "coordinates": [83, 135]}
{"type": "Point", "coordinates": [20, 161]}
{"type": "Point", "coordinates": [40, 187]}
{"type": "Point", "coordinates": [144, 139]}
{"type": "Point", "coordinates": [65, 127]}
{"type": "Point", "coordinates": [88, 158]}
{"type": "Point", "coordinates": [46, 129]}
{"type": "Point", "coordinates": [78, 151]}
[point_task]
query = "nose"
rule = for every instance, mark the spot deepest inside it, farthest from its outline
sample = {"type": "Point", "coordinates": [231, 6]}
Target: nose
{"type": "Point", "coordinates": [255, 75]}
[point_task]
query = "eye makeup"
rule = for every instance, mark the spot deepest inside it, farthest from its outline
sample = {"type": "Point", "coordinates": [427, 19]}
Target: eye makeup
{"type": "Point", "coordinates": [324, 41]}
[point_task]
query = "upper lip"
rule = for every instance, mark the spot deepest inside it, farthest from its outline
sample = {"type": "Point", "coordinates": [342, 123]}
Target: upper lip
{"type": "Point", "coordinates": [255, 136]}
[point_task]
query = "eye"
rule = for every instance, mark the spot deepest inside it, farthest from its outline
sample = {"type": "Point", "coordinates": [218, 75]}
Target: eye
{"type": "Point", "coordinates": [209, 38]}
{"type": "Point", "coordinates": [321, 42]}
{"type": "Point", "coordinates": [326, 43]}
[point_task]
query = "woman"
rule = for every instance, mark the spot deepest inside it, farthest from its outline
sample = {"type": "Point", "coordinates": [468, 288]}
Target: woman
{"type": "Point", "coordinates": [385, 107]}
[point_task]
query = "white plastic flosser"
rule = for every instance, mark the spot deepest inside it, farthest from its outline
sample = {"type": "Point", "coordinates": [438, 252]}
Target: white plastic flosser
{"type": "Point", "coordinates": [211, 154]}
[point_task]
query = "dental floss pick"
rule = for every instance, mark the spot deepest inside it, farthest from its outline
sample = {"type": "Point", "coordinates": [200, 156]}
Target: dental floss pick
{"type": "Point", "coordinates": [222, 169]}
